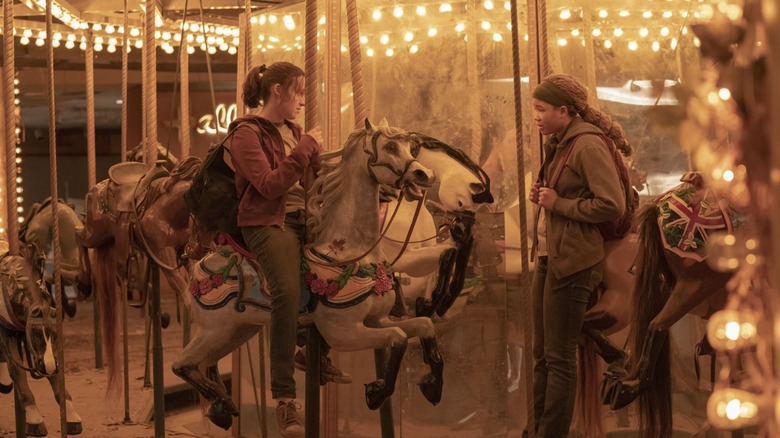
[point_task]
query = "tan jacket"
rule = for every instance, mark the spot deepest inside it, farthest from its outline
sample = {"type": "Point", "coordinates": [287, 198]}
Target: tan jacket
{"type": "Point", "coordinates": [589, 192]}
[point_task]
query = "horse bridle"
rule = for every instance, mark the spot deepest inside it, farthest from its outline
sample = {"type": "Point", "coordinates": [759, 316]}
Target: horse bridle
{"type": "Point", "coordinates": [373, 154]}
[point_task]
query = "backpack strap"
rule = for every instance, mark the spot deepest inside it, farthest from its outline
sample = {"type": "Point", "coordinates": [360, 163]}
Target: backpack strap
{"type": "Point", "coordinates": [259, 131]}
{"type": "Point", "coordinates": [559, 162]}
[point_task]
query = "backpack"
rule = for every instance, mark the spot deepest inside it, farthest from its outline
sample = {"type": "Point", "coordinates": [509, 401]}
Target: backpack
{"type": "Point", "coordinates": [212, 199]}
{"type": "Point", "coordinates": [620, 227]}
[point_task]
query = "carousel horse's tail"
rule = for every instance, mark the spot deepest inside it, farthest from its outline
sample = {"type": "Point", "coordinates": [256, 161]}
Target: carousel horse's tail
{"type": "Point", "coordinates": [654, 281]}
{"type": "Point", "coordinates": [588, 418]}
{"type": "Point", "coordinates": [107, 287]}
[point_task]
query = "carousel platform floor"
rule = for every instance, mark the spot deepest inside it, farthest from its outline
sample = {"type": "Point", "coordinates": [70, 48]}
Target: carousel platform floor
{"type": "Point", "coordinates": [103, 414]}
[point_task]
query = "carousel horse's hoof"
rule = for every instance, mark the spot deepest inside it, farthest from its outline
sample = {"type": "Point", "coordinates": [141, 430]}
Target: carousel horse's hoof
{"type": "Point", "coordinates": [84, 289]}
{"type": "Point", "coordinates": [6, 389]}
{"type": "Point", "coordinates": [607, 390]}
{"type": "Point", "coordinates": [70, 309]}
{"type": "Point", "coordinates": [623, 395]}
{"type": "Point", "coordinates": [73, 428]}
{"type": "Point", "coordinates": [165, 320]}
{"type": "Point", "coordinates": [222, 412]}
{"type": "Point", "coordinates": [431, 388]}
{"type": "Point", "coordinates": [423, 307]}
{"type": "Point", "coordinates": [38, 429]}
{"type": "Point", "coordinates": [376, 394]}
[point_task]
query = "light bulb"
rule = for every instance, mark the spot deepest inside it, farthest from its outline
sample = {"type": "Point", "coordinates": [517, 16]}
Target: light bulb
{"type": "Point", "coordinates": [730, 408]}
{"type": "Point", "coordinates": [733, 329]}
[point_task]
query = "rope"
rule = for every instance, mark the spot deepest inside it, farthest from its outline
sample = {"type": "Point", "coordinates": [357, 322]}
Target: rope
{"type": "Point", "coordinates": [55, 242]}
{"type": "Point", "coordinates": [10, 128]}
{"type": "Point", "coordinates": [208, 67]}
{"type": "Point", "coordinates": [526, 306]}
{"type": "Point", "coordinates": [355, 63]}
{"type": "Point", "coordinates": [90, 66]}
{"type": "Point", "coordinates": [310, 65]}
{"type": "Point", "coordinates": [125, 46]}
{"type": "Point", "coordinates": [150, 155]}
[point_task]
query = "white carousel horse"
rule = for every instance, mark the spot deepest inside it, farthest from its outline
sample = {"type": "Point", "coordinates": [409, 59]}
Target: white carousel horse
{"type": "Point", "coordinates": [27, 324]}
{"type": "Point", "coordinates": [347, 273]}
{"type": "Point", "coordinates": [436, 270]}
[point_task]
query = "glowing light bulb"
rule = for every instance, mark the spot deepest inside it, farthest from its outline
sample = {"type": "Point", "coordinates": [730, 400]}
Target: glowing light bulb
{"type": "Point", "coordinates": [596, 32]}
{"type": "Point", "coordinates": [389, 52]}
{"type": "Point", "coordinates": [607, 44]}
{"type": "Point", "coordinates": [376, 15]}
{"type": "Point", "coordinates": [633, 46]}
{"type": "Point", "coordinates": [369, 52]}
{"type": "Point", "coordinates": [488, 5]}
{"type": "Point", "coordinates": [384, 39]}
{"type": "Point", "coordinates": [643, 32]}
{"type": "Point", "coordinates": [565, 14]}
{"type": "Point", "coordinates": [460, 27]}
{"type": "Point", "coordinates": [421, 10]}
{"type": "Point", "coordinates": [414, 48]}
{"type": "Point", "coordinates": [289, 23]}
{"type": "Point", "coordinates": [445, 7]}
{"type": "Point", "coordinates": [485, 25]}
{"type": "Point", "coordinates": [408, 36]}
{"type": "Point", "coordinates": [603, 13]}
{"type": "Point", "coordinates": [618, 32]}
{"type": "Point", "coordinates": [497, 37]}
{"type": "Point", "coordinates": [733, 329]}
{"type": "Point", "coordinates": [432, 32]}
{"type": "Point", "coordinates": [656, 46]}
{"type": "Point", "coordinates": [398, 12]}
{"type": "Point", "coordinates": [730, 408]}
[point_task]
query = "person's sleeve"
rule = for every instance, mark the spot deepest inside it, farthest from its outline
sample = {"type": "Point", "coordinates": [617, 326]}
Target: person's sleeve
{"type": "Point", "coordinates": [597, 168]}
{"type": "Point", "coordinates": [251, 162]}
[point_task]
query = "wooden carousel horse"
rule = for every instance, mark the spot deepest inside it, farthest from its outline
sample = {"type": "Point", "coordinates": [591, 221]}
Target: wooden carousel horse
{"type": "Point", "coordinates": [37, 229]}
{"type": "Point", "coordinates": [672, 279]}
{"type": "Point", "coordinates": [436, 270]}
{"type": "Point", "coordinates": [136, 154]}
{"type": "Point", "coordinates": [350, 288]}
{"type": "Point", "coordinates": [27, 334]}
{"type": "Point", "coordinates": [140, 209]}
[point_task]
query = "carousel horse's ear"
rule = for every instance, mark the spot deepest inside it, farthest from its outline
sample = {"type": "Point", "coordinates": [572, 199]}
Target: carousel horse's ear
{"type": "Point", "coordinates": [369, 126]}
{"type": "Point", "coordinates": [383, 123]}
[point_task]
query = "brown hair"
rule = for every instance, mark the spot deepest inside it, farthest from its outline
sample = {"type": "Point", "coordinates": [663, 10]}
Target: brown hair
{"type": "Point", "coordinates": [259, 81]}
{"type": "Point", "coordinates": [566, 90]}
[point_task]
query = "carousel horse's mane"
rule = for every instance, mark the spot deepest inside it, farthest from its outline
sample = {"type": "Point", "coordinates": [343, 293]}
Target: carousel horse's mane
{"type": "Point", "coordinates": [184, 171]}
{"type": "Point", "coordinates": [432, 144]}
{"type": "Point", "coordinates": [329, 187]}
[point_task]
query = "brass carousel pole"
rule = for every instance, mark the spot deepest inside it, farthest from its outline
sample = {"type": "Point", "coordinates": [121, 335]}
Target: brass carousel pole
{"type": "Point", "coordinates": [12, 230]}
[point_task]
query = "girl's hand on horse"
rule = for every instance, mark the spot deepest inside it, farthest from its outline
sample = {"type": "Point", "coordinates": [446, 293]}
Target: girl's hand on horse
{"type": "Point", "coordinates": [534, 195]}
{"type": "Point", "coordinates": [547, 197]}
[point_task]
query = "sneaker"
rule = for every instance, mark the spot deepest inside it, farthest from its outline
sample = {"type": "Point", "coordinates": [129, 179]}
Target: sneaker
{"type": "Point", "coordinates": [287, 419]}
{"type": "Point", "coordinates": [329, 372]}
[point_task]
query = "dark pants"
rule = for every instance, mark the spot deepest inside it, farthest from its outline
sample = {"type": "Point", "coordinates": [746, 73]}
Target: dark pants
{"type": "Point", "coordinates": [278, 251]}
{"type": "Point", "coordinates": [559, 310]}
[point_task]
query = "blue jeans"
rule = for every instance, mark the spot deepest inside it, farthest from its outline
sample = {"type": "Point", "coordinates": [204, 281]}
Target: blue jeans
{"type": "Point", "coordinates": [278, 252]}
{"type": "Point", "coordinates": [559, 310]}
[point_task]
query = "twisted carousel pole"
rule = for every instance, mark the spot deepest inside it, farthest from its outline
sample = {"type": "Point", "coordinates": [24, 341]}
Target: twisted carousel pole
{"type": "Point", "coordinates": [55, 242]}
{"type": "Point", "coordinates": [123, 152]}
{"type": "Point", "coordinates": [314, 339]}
{"type": "Point", "coordinates": [355, 63]}
{"type": "Point", "coordinates": [12, 230]}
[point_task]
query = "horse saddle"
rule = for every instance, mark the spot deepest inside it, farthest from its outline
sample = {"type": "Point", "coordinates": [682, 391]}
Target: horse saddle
{"type": "Point", "coordinates": [226, 275]}
{"type": "Point", "coordinates": [123, 178]}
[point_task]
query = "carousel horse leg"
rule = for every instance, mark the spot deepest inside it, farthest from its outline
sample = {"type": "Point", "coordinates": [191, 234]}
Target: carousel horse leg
{"type": "Point", "coordinates": [210, 343]}
{"type": "Point", "coordinates": [378, 391]}
{"type": "Point", "coordinates": [625, 392]}
{"type": "Point", "coordinates": [6, 384]}
{"type": "Point", "coordinates": [69, 306]}
{"type": "Point", "coordinates": [606, 348]}
{"type": "Point", "coordinates": [458, 277]}
{"type": "Point", "coordinates": [34, 419]}
{"type": "Point", "coordinates": [425, 306]}
{"type": "Point", "coordinates": [72, 418]}
{"type": "Point", "coordinates": [432, 383]}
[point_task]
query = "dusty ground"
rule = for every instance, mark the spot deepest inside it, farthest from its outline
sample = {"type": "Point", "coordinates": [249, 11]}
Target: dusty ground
{"type": "Point", "coordinates": [102, 415]}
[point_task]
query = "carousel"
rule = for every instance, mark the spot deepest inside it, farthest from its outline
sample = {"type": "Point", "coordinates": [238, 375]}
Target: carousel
{"type": "Point", "coordinates": [419, 249]}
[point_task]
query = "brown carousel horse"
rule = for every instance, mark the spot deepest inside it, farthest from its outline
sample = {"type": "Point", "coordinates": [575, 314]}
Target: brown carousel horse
{"type": "Point", "coordinates": [142, 209]}
{"type": "Point", "coordinates": [27, 334]}
{"type": "Point", "coordinates": [672, 279]}
{"type": "Point", "coordinates": [37, 229]}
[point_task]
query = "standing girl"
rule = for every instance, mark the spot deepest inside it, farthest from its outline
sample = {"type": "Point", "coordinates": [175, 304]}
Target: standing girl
{"type": "Point", "coordinates": [578, 188]}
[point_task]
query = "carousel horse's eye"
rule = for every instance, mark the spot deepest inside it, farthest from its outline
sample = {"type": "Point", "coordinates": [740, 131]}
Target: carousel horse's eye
{"type": "Point", "coordinates": [36, 312]}
{"type": "Point", "coordinates": [390, 147]}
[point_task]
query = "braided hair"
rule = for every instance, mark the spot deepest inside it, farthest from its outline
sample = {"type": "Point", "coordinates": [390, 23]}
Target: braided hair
{"type": "Point", "coordinates": [566, 90]}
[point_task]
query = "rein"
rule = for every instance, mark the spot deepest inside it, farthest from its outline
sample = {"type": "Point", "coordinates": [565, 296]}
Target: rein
{"type": "Point", "coordinates": [360, 257]}
{"type": "Point", "coordinates": [371, 163]}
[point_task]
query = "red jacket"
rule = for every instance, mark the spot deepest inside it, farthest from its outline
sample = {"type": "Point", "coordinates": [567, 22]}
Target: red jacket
{"type": "Point", "coordinates": [264, 173]}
